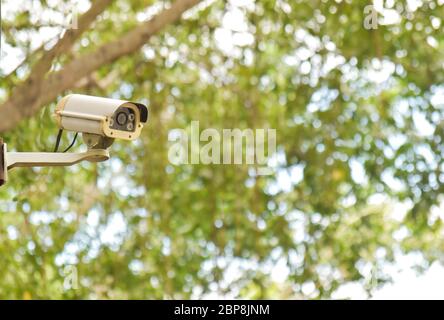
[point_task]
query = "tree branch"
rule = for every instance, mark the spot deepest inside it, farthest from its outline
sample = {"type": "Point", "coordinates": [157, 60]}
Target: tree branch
{"type": "Point", "coordinates": [57, 82]}
{"type": "Point", "coordinates": [28, 92]}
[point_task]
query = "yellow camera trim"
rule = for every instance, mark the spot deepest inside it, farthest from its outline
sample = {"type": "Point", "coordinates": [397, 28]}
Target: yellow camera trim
{"type": "Point", "coordinates": [59, 108]}
{"type": "Point", "coordinates": [125, 135]}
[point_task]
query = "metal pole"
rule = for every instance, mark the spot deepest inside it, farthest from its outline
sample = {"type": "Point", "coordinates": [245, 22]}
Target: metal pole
{"type": "Point", "coordinates": [10, 160]}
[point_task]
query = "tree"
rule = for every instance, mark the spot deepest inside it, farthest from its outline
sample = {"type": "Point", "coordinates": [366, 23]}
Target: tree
{"type": "Point", "coordinates": [358, 120]}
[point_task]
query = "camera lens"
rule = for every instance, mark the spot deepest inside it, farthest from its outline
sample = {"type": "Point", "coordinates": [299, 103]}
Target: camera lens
{"type": "Point", "coordinates": [122, 118]}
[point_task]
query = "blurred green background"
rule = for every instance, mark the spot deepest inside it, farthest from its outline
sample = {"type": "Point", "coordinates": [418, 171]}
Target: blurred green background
{"type": "Point", "coordinates": [358, 169]}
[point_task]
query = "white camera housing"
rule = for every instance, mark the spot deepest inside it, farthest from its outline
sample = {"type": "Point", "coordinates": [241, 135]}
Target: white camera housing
{"type": "Point", "coordinates": [112, 118]}
{"type": "Point", "coordinates": [100, 120]}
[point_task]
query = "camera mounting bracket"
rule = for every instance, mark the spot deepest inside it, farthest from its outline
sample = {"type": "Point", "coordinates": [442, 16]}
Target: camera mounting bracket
{"type": "Point", "coordinates": [10, 160]}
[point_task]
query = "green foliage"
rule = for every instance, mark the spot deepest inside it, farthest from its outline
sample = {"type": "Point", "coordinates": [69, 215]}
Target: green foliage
{"type": "Point", "coordinates": [189, 230]}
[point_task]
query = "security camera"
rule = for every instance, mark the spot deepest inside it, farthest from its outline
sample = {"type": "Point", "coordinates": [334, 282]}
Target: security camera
{"type": "Point", "coordinates": [100, 120]}
{"type": "Point", "coordinates": [111, 118]}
